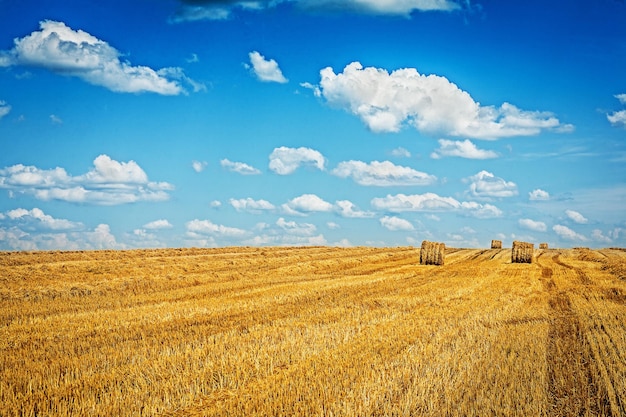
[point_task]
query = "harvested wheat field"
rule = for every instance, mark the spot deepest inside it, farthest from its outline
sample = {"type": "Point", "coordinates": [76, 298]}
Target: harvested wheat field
{"type": "Point", "coordinates": [312, 332]}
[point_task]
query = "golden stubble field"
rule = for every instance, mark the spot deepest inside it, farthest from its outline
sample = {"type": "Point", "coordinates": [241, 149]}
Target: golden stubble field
{"type": "Point", "coordinates": [312, 332]}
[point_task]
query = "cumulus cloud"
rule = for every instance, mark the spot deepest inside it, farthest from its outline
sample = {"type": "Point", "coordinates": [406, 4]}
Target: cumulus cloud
{"type": "Point", "coordinates": [394, 223]}
{"type": "Point", "coordinates": [486, 185]}
{"type": "Point", "coordinates": [533, 225]}
{"type": "Point", "coordinates": [66, 51]}
{"type": "Point", "coordinates": [305, 204]}
{"type": "Point", "coordinates": [348, 209]}
{"type": "Point", "coordinates": [239, 167]}
{"type": "Point", "coordinates": [598, 236]}
{"type": "Point", "coordinates": [23, 229]}
{"type": "Point", "coordinates": [250, 205]}
{"type": "Point", "coordinates": [298, 229]}
{"type": "Point", "coordinates": [386, 102]}
{"type": "Point", "coordinates": [195, 10]}
{"type": "Point", "coordinates": [206, 227]}
{"type": "Point", "coordinates": [430, 202]}
{"type": "Point", "coordinates": [566, 233]}
{"type": "Point", "coordinates": [538, 195]}
{"type": "Point", "coordinates": [109, 182]}
{"type": "Point", "coordinates": [382, 174]}
{"type": "Point", "coordinates": [462, 149]}
{"type": "Point", "coordinates": [285, 161]}
{"type": "Point", "coordinates": [36, 219]}
{"type": "Point", "coordinates": [266, 69]}
{"type": "Point", "coordinates": [158, 224]}
{"type": "Point", "coordinates": [618, 118]}
{"type": "Point", "coordinates": [4, 108]}
{"type": "Point", "coordinates": [576, 216]}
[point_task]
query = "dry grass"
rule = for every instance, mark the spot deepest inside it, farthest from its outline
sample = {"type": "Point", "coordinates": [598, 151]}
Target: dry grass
{"type": "Point", "coordinates": [496, 244]}
{"type": "Point", "coordinates": [432, 253]}
{"type": "Point", "coordinates": [522, 252]}
{"type": "Point", "coordinates": [311, 332]}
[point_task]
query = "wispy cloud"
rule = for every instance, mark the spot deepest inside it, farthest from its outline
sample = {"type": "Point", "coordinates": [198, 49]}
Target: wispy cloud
{"type": "Point", "coordinates": [266, 69]}
{"type": "Point", "coordinates": [4, 108]}
{"type": "Point", "coordinates": [195, 10]}
{"type": "Point", "coordinates": [346, 208]}
{"type": "Point", "coordinates": [431, 202]}
{"type": "Point", "coordinates": [462, 149]}
{"type": "Point", "coordinates": [158, 224]}
{"type": "Point", "coordinates": [239, 167]}
{"type": "Point", "coordinates": [386, 102]}
{"type": "Point", "coordinates": [77, 53]}
{"type": "Point", "coordinates": [109, 182]}
{"type": "Point", "coordinates": [382, 174]}
{"type": "Point", "coordinates": [251, 205]}
{"type": "Point", "coordinates": [285, 161]}
{"type": "Point", "coordinates": [576, 217]}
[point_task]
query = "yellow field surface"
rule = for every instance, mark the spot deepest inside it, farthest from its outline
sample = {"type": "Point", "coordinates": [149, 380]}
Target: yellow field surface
{"type": "Point", "coordinates": [312, 332]}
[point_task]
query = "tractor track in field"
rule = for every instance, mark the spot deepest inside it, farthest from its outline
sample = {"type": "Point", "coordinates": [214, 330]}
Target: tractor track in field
{"type": "Point", "coordinates": [569, 354]}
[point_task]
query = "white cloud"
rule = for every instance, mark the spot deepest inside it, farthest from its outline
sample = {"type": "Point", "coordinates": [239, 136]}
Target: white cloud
{"type": "Point", "coordinates": [109, 183]}
{"type": "Point", "coordinates": [382, 174]}
{"type": "Point", "coordinates": [239, 167]}
{"type": "Point", "coordinates": [266, 70]}
{"type": "Point", "coordinates": [158, 224]}
{"type": "Point", "coordinates": [206, 227]}
{"type": "Point", "coordinates": [251, 205]}
{"type": "Point", "coordinates": [198, 166]}
{"type": "Point", "coordinates": [4, 108]}
{"type": "Point", "coordinates": [462, 149]}
{"type": "Point", "coordinates": [598, 236]}
{"type": "Point", "coordinates": [56, 119]}
{"type": "Point", "coordinates": [533, 225]}
{"type": "Point", "coordinates": [386, 102]}
{"type": "Point", "coordinates": [346, 208]}
{"type": "Point", "coordinates": [65, 51]}
{"type": "Point", "coordinates": [400, 152]}
{"type": "Point", "coordinates": [285, 161]}
{"type": "Point", "coordinates": [538, 195]}
{"type": "Point", "coordinates": [395, 223]}
{"type": "Point", "coordinates": [215, 204]}
{"type": "Point", "coordinates": [430, 202]}
{"type": "Point", "coordinates": [37, 219]}
{"type": "Point", "coordinates": [298, 229]}
{"type": "Point", "coordinates": [618, 118]}
{"type": "Point", "coordinates": [485, 185]}
{"type": "Point", "coordinates": [305, 204]}
{"type": "Point", "coordinates": [333, 225]}
{"type": "Point", "coordinates": [566, 233]}
{"type": "Point", "coordinates": [211, 10]}
{"type": "Point", "coordinates": [576, 216]}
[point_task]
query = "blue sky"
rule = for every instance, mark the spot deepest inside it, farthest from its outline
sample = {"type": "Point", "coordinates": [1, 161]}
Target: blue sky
{"type": "Point", "coordinates": [173, 123]}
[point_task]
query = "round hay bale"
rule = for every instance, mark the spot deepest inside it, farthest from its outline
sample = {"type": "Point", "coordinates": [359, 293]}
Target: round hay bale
{"type": "Point", "coordinates": [496, 244]}
{"type": "Point", "coordinates": [432, 253]}
{"type": "Point", "coordinates": [522, 252]}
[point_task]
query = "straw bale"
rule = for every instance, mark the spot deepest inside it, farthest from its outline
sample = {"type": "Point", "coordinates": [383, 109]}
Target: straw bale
{"type": "Point", "coordinates": [522, 252]}
{"type": "Point", "coordinates": [496, 244]}
{"type": "Point", "coordinates": [432, 253]}
{"type": "Point", "coordinates": [543, 246]}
